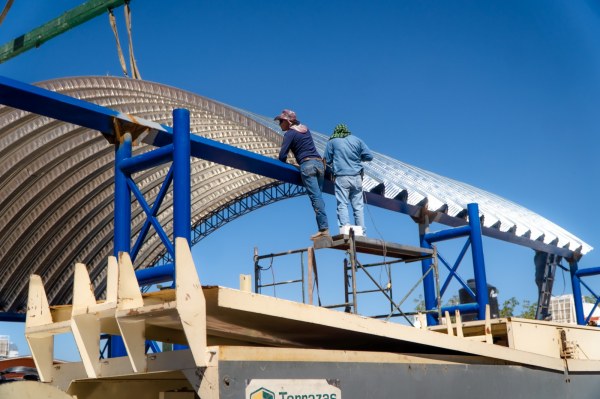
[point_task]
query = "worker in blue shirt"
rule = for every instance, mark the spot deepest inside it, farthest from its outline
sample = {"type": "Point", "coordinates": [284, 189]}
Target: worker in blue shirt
{"type": "Point", "coordinates": [298, 139]}
{"type": "Point", "coordinates": [345, 153]}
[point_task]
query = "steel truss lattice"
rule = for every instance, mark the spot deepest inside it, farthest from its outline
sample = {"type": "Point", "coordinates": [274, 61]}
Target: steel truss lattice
{"type": "Point", "coordinates": [240, 206]}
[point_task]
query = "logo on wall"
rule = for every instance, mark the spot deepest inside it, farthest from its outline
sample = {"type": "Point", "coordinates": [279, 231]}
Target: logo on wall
{"type": "Point", "coordinates": [293, 389]}
{"type": "Point", "coordinates": [262, 393]}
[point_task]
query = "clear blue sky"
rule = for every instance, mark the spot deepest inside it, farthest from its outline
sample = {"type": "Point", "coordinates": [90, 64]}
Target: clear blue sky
{"type": "Point", "coordinates": [503, 95]}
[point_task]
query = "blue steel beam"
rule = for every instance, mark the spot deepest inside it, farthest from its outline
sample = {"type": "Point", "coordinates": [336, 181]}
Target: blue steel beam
{"type": "Point", "coordinates": [591, 271]}
{"type": "Point", "coordinates": [448, 234]}
{"type": "Point", "coordinates": [182, 191]}
{"type": "Point", "coordinates": [591, 291]}
{"type": "Point", "coordinates": [152, 215]}
{"type": "Point", "coordinates": [122, 214]}
{"type": "Point", "coordinates": [429, 293]}
{"type": "Point", "coordinates": [58, 106]}
{"type": "Point", "coordinates": [151, 218]}
{"type": "Point", "coordinates": [478, 260]}
{"type": "Point", "coordinates": [107, 121]}
{"type": "Point", "coordinates": [110, 122]}
{"type": "Point", "coordinates": [156, 274]}
{"type": "Point", "coordinates": [452, 271]}
{"type": "Point", "coordinates": [473, 230]}
{"type": "Point", "coordinates": [234, 157]}
{"type": "Point", "coordinates": [576, 289]}
{"type": "Point", "coordinates": [147, 160]}
{"type": "Point", "coordinates": [587, 287]}
{"type": "Point", "coordinates": [463, 308]}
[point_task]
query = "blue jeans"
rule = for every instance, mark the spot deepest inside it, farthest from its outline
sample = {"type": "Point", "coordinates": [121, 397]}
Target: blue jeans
{"type": "Point", "coordinates": [313, 176]}
{"type": "Point", "coordinates": [349, 189]}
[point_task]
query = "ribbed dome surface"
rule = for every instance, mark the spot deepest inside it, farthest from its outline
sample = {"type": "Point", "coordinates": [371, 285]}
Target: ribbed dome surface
{"type": "Point", "coordinates": [56, 184]}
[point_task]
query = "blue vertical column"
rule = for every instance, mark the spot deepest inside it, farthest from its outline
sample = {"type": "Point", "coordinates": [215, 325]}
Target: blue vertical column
{"type": "Point", "coordinates": [182, 217]}
{"type": "Point", "coordinates": [576, 286]}
{"type": "Point", "coordinates": [122, 240]}
{"type": "Point", "coordinates": [122, 221]}
{"type": "Point", "coordinates": [478, 263]}
{"type": "Point", "coordinates": [429, 281]}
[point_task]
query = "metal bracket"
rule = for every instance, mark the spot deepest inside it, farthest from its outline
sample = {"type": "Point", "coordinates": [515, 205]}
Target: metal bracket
{"type": "Point", "coordinates": [121, 127]}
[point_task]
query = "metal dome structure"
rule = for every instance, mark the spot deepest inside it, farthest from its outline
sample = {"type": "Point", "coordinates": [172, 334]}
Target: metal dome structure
{"type": "Point", "coordinates": [56, 186]}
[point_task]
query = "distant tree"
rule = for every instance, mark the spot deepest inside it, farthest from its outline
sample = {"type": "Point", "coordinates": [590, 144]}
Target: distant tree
{"type": "Point", "coordinates": [528, 309]}
{"type": "Point", "coordinates": [452, 301]}
{"type": "Point", "coordinates": [508, 307]}
{"type": "Point", "coordinates": [419, 304]}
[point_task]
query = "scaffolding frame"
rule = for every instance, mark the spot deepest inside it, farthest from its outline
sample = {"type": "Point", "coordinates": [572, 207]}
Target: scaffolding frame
{"type": "Point", "coordinates": [354, 245]}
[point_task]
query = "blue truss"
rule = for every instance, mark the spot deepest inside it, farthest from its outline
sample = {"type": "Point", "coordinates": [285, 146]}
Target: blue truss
{"type": "Point", "coordinates": [240, 206]}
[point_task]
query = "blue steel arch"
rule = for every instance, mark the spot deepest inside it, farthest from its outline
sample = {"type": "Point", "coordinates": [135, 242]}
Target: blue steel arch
{"type": "Point", "coordinates": [242, 205]}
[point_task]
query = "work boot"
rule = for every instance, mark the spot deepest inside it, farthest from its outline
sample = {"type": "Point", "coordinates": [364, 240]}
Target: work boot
{"type": "Point", "coordinates": [319, 234]}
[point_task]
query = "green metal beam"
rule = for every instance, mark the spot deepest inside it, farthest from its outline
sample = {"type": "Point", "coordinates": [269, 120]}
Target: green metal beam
{"type": "Point", "coordinates": [70, 19]}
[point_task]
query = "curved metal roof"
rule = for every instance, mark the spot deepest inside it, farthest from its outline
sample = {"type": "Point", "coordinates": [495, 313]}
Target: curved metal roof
{"type": "Point", "coordinates": [56, 184]}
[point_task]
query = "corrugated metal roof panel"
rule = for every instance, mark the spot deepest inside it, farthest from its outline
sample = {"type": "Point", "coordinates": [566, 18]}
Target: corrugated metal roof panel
{"type": "Point", "coordinates": [56, 184]}
{"type": "Point", "coordinates": [456, 195]}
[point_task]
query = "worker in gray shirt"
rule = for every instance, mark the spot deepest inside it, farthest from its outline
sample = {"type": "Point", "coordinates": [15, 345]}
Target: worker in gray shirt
{"type": "Point", "coordinates": [345, 153]}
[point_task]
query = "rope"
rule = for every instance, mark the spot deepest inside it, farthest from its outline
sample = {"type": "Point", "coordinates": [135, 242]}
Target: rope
{"type": "Point", "coordinates": [113, 25]}
{"type": "Point", "coordinates": [388, 268]}
{"type": "Point", "coordinates": [5, 10]}
{"type": "Point", "coordinates": [273, 276]}
{"type": "Point", "coordinates": [135, 73]}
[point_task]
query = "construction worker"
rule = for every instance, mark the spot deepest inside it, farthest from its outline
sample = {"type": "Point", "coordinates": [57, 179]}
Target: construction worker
{"type": "Point", "coordinates": [298, 139]}
{"type": "Point", "coordinates": [344, 154]}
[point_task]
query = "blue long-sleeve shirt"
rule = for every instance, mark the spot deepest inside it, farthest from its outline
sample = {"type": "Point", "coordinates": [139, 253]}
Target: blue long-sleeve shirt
{"type": "Point", "coordinates": [345, 155]}
{"type": "Point", "coordinates": [300, 143]}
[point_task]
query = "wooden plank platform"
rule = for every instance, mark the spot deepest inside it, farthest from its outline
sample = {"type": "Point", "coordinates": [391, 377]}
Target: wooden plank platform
{"type": "Point", "coordinates": [374, 247]}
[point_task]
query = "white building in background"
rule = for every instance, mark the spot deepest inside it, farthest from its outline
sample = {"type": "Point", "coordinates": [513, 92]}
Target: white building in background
{"type": "Point", "coordinates": [562, 309]}
{"type": "Point", "coordinates": [8, 349]}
